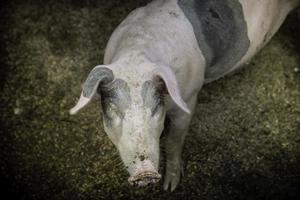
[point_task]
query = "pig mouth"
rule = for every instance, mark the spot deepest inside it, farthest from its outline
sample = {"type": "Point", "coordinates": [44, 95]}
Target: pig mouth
{"type": "Point", "coordinates": [144, 179]}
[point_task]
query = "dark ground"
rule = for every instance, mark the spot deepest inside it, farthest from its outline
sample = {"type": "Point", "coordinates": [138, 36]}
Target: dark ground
{"type": "Point", "coordinates": [244, 141]}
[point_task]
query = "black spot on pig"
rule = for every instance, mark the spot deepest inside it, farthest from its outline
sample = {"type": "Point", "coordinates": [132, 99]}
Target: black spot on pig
{"type": "Point", "coordinates": [152, 96]}
{"type": "Point", "coordinates": [115, 99]}
{"type": "Point", "coordinates": [221, 32]}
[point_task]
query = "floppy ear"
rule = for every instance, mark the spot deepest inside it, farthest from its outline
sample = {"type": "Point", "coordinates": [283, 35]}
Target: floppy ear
{"type": "Point", "coordinates": [100, 74]}
{"type": "Point", "coordinates": [169, 78]}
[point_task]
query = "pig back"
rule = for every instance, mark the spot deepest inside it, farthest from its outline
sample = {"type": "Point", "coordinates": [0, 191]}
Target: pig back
{"type": "Point", "coordinates": [221, 31]}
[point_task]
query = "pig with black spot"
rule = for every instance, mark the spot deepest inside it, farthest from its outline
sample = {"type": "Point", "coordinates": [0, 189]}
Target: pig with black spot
{"type": "Point", "coordinates": [155, 64]}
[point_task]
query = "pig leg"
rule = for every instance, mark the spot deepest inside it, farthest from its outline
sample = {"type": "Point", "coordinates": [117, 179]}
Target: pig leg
{"type": "Point", "coordinates": [179, 124]}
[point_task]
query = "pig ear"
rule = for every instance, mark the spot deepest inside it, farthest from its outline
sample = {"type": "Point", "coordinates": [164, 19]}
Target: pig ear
{"type": "Point", "coordinates": [168, 77]}
{"type": "Point", "coordinates": [100, 74]}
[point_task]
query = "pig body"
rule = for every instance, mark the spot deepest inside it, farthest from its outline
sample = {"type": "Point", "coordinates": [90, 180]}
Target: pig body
{"type": "Point", "coordinates": [155, 64]}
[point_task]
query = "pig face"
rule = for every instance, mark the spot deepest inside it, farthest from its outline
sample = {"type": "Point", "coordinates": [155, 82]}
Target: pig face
{"type": "Point", "coordinates": [134, 110]}
{"type": "Point", "coordinates": [133, 117]}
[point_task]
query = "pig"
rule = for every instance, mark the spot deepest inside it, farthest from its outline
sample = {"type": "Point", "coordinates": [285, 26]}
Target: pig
{"type": "Point", "coordinates": [155, 64]}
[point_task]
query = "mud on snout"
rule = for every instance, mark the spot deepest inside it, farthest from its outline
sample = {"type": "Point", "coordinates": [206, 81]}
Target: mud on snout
{"type": "Point", "coordinates": [144, 174]}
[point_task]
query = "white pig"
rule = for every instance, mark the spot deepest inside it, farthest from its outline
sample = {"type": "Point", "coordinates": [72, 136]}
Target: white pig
{"type": "Point", "coordinates": [155, 64]}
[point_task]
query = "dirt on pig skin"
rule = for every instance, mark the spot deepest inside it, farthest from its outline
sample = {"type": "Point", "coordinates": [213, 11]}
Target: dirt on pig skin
{"type": "Point", "coordinates": [244, 141]}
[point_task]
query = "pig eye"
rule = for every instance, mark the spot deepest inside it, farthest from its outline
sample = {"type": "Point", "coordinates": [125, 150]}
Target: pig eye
{"type": "Point", "coordinates": [112, 116]}
{"type": "Point", "coordinates": [110, 110]}
{"type": "Point", "coordinates": [157, 109]}
{"type": "Point", "coordinates": [115, 99]}
{"type": "Point", "coordinates": [158, 114]}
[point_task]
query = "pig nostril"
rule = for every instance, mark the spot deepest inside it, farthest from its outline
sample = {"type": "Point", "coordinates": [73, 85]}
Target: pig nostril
{"type": "Point", "coordinates": [144, 179]}
{"type": "Point", "coordinates": [142, 158]}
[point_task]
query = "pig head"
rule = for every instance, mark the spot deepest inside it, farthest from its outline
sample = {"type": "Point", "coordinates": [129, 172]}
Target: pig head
{"type": "Point", "coordinates": [133, 106]}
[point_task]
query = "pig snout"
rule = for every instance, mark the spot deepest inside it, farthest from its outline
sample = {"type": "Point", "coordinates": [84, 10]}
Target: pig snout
{"type": "Point", "coordinates": [144, 179]}
{"type": "Point", "coordinates": [145, 174]}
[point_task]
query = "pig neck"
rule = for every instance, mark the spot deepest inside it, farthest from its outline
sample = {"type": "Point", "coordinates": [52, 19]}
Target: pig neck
{"type": "Point", "coordinates": [134, 67]}
{"type": "Point", "coordinates": [143, 57]}
{"type": "Point", "coordinates": [139, 46]}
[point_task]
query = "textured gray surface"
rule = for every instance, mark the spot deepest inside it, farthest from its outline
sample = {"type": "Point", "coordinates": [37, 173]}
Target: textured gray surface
{"type": "Point", "coordinates": [221, 31]}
